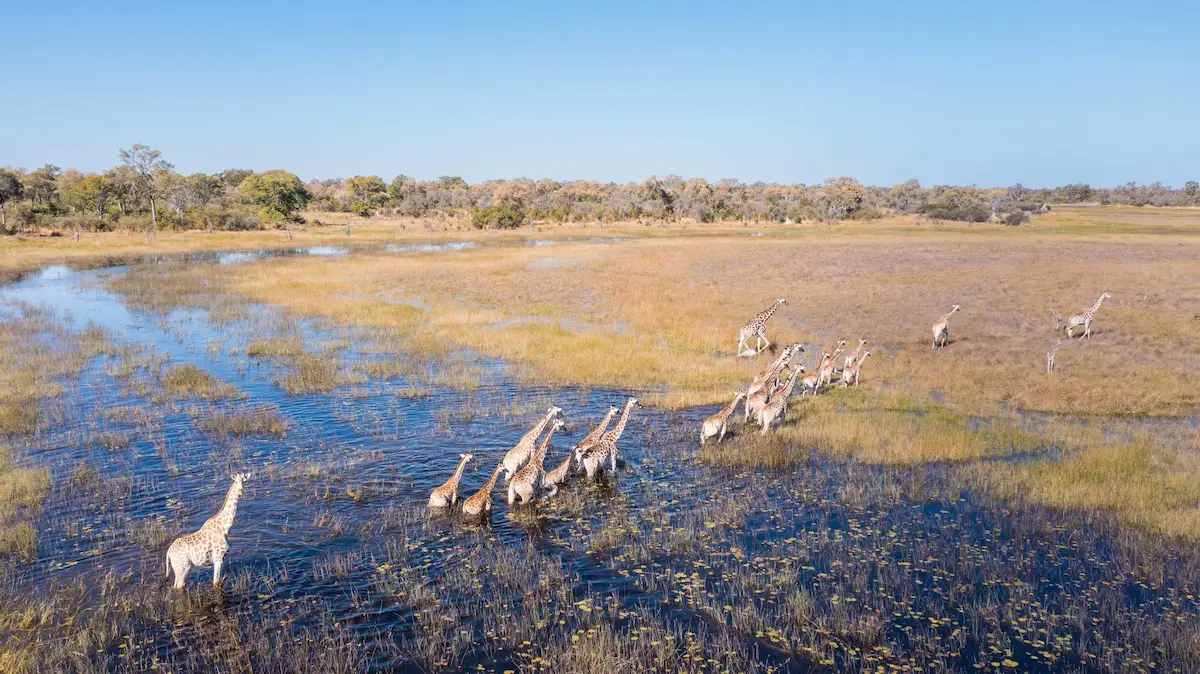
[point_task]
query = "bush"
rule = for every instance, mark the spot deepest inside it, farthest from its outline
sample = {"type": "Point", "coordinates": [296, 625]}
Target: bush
{"type": "Point", "coordinates": [495, 217]}
{"type": "Point", "coordinates": [1016, 218]}
{"type": "Point", "coordinates": [940, 210]}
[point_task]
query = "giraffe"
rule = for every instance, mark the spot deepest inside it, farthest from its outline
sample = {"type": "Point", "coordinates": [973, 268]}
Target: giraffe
{"type": "Point", "coordinates": [1085, 319]}
{"type": "Point", "coordinates": [528, 480]}
{"type": "Point", "coordinates": [812, 382]}
{"type": "Point", "coordinates": [718, 423]}
{"type": "Point", "coordinates": [445, 495]}
{"type": "Point", "coordinates": [209, 543]}
{"type": "Point", "coordinates": [862, 343]}
{"type": "Point", "coordinates": [559, 475]}
{"type": "Point", "coordinates": [851, 373]}
{"type": "Point", "coordinates": [776, 409]}
{"type": "Point", "coordinates": [941, 329]}
{"type": "Point", "coordinates": [763, 380]}
{"type": "Point", "coordinates": [757, 328]}
{"type": "Point", "coordinates": [827, 366]}
{"type": "Point", "coordinates": [592, 458]}
{"type": "Point", "coordinates": [482, 500]}
{"type": "Point", "coordinates": [517, 456]}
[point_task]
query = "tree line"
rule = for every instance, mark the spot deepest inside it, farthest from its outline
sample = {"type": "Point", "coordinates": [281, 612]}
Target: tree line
{"type": "Point", "coordinates": [145, 192]}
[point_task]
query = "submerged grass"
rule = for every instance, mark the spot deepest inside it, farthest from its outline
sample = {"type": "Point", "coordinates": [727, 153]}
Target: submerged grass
{"type": "Point", "coordinates": [260, 420]}
{"type": "Point", "coordinates": [190, 381]}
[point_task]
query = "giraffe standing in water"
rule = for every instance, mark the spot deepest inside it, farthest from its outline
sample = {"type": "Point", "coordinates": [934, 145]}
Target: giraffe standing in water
{"type": "Point", "coordinates": [481, 501]}
{"type": "Point", "coordinates": [1085, 319]}
{"type": "Point", "coordinates": [593, 458]}
{"type": "Point", "coordinates": [717, 424]}
{"type": "Point", "coordinates": [209, 543]}
{"type": "Point", "coordinates": [517, 456]}
{"type": "Point", "coordinates": [941, 329]}
{"type": "Point", "coordinates": [559, 475]}
{"type": "Point", "coordinates": [445, 495]}
{"type": "Point", "coordinates": [528, 480]}
{"type": "Point", "coordinates": [757, 328]}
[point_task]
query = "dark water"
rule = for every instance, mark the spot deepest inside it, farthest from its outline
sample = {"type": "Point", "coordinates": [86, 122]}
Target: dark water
{"type": "Point", "coordinates": [896, 569]}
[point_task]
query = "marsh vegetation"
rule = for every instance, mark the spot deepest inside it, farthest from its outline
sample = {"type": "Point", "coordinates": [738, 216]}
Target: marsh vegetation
{"type": "Point", "coordinates": [958, 511]}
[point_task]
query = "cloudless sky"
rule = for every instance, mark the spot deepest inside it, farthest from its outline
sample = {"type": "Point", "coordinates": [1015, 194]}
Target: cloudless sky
{"type": "Point", "coordinates": [987, 93]}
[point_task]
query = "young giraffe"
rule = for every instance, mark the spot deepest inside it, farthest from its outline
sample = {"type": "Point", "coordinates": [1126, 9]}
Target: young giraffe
{"type": "Point", "coordinates": [827, 366]}
{"type": "Point", "coordinates": [445, 495]}
{"type": "Point", "coordinates": [482, 500]}
{"type": "Point", "coordinates": [559, 475]}
{"type": "Point", "coordinates": [592, 458]}
{"type": "Point", "coordinates": [862, 343]}
{"type": "Point", "coordinates": [851, 373]}
{"type": "Point", "coordinates": [776, 409]}
{"type": "Point", "coordinates": [941, 329]}
{"type": "Point", "coordinates": [757, 328]}
{"type": "Point", "coordinates": [812, 382]}
{"type": "Point", "coordinates": [517, 456]}
{"type": "Point", "coordinates": [528, 480]}
{"type": "Point", "coordinates": [209, 543]}
{"type": "Point", "coordinates": [718, 423]}
{"type": "Point", "coordinates": [1085, 319]}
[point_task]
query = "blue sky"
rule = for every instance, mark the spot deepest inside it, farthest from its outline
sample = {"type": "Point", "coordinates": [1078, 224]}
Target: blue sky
{"type": "Point", "coordinates": [987, 93]}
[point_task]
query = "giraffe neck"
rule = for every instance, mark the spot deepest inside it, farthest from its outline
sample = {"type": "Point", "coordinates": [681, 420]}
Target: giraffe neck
{"type": "Point", "coordinates": [948, 314]}
{"type": "Point", "coordinates": [537, 430]}
{"type": "Point", "coordinates": [540, 456]}
{"type": "Point", "coordinates": [787, 389]}
{"type": "Point", "coordinates": [491, 483]}
{"type": "Point", "coordinates": [458, 472]}
{"type": "Point", "coordinates": [603, 424]}
{"type": "Point", "coordinates": [1096, 306]}
{"type": "Point", "coordinates": [225, 516]}
{"type": "Point", "coordinates": [621, 422]}
{"type": "Point", "coordinates": [766, 315]}
{"type": "Point", "coordinates": [729, 408]}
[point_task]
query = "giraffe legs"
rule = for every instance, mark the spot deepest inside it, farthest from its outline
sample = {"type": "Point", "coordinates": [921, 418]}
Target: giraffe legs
{"type": "Point", "coordinates": [217, 557]}
{"type": "Point", "coordinates": [180, 568]}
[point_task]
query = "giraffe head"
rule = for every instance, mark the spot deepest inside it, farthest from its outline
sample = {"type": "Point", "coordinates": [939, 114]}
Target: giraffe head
{"type": "Point", "coordinates": [781, 300]}
{"type": "Point", "coordinates": [738, 396]}
{"type": "Point", "coordinates": [864, 356]}
{"type": "Point", "coordinates": [800, 368]}
{"type": "Point", "coordinates": [862, 343]}
{"type": "Point", "coordinates": [558, 423]}
{"type": "Point", "coordinates": [554, 411]}
{"type": "Point", "coordinates": [240, 478]}
{"type": "Point", "coordinates": [956, 308]}
{"type": "Point", "coordinates": [465, 457]}
{"type": "Point", "coordinates": [1107, 296]}
{"type": "Point", "coordinates": [633, 402]}
{"type": "Point", "coordinates": [613, 409]}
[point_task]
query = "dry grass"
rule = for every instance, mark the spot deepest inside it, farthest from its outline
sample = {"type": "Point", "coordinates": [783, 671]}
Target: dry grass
{"type": "Point", "coordinates": [242, 422]}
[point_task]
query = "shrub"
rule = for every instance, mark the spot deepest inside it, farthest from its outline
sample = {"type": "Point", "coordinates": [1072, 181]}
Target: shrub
{"type": "Point", "coordinates": [495, 217]}
{"type": "Point", "coordinates": [940, 210]}
{"type": "Point", "coordinates": [1016, 218]}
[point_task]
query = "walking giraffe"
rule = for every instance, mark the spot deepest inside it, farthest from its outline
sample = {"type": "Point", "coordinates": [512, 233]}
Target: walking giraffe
{"type": "Point", "coordinates": [757, 328]}
{"type": "Point", "coordinates": [209, 543]}
{"type": "Point", "coordinates": [828, 366]}
{"type": "Point", "coordinates": [481, 501]}
{"type": "Point", "coordinates": [941, 329]}
{"type": "Point", "coordinates": [528, 480]}
{"type": "Point", "coordinates": [559, 475]}
{"type": "Point", "coordinates": [593, 458]}
{"type": "Point", "coordinates": [777, 408]}
{"type": "Point", "coordinates": [1085, 319]}
{"type": "Point", "coordinates": [517, 456]}
{"type": "Point", "coordinates": [445, 495]}
{"type": "Point", "coordinates": [850, 374]}
{"type": "Point", "coordinates": [846, 364]}
{"type": "Point", "coordinates": [717, 424]}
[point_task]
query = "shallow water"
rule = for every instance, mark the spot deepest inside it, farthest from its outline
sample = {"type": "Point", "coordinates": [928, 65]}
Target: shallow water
{"type": "Point", "coordinates": [333, 530]}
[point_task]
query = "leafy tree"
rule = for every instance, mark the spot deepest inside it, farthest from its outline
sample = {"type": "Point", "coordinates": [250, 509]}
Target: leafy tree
{"type": "Point", "coordinates": [840, 197]}
{"type": "Point", "coordinates": [453, 182]}
{"type": "Point", "coordinates": [145, 163]}
{"type": "Point", "coordinates": [365, 193]}
{"type": "Point", "coordinates": [41, 186]}
{"type": "Point", "coordinates": [233, 177]}
{"type": "Point", "coordinates": [91, 195]}
{"type": "Point", "coordinates": [495, 217]}
{"type": "Point", "coordinates": [10, 190]}
{"type": "Point", "coordinates": [279, 193]}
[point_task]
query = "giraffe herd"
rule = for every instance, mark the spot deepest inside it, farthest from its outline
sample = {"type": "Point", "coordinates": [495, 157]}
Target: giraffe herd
{"type": "Point", "coordinates": [765, 402]}
{"type": "Point", "coordinates": [528, 481]}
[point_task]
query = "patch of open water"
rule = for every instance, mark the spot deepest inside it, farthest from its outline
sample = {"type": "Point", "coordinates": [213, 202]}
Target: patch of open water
{"type": "Point", "coordinates": [953, 584]}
